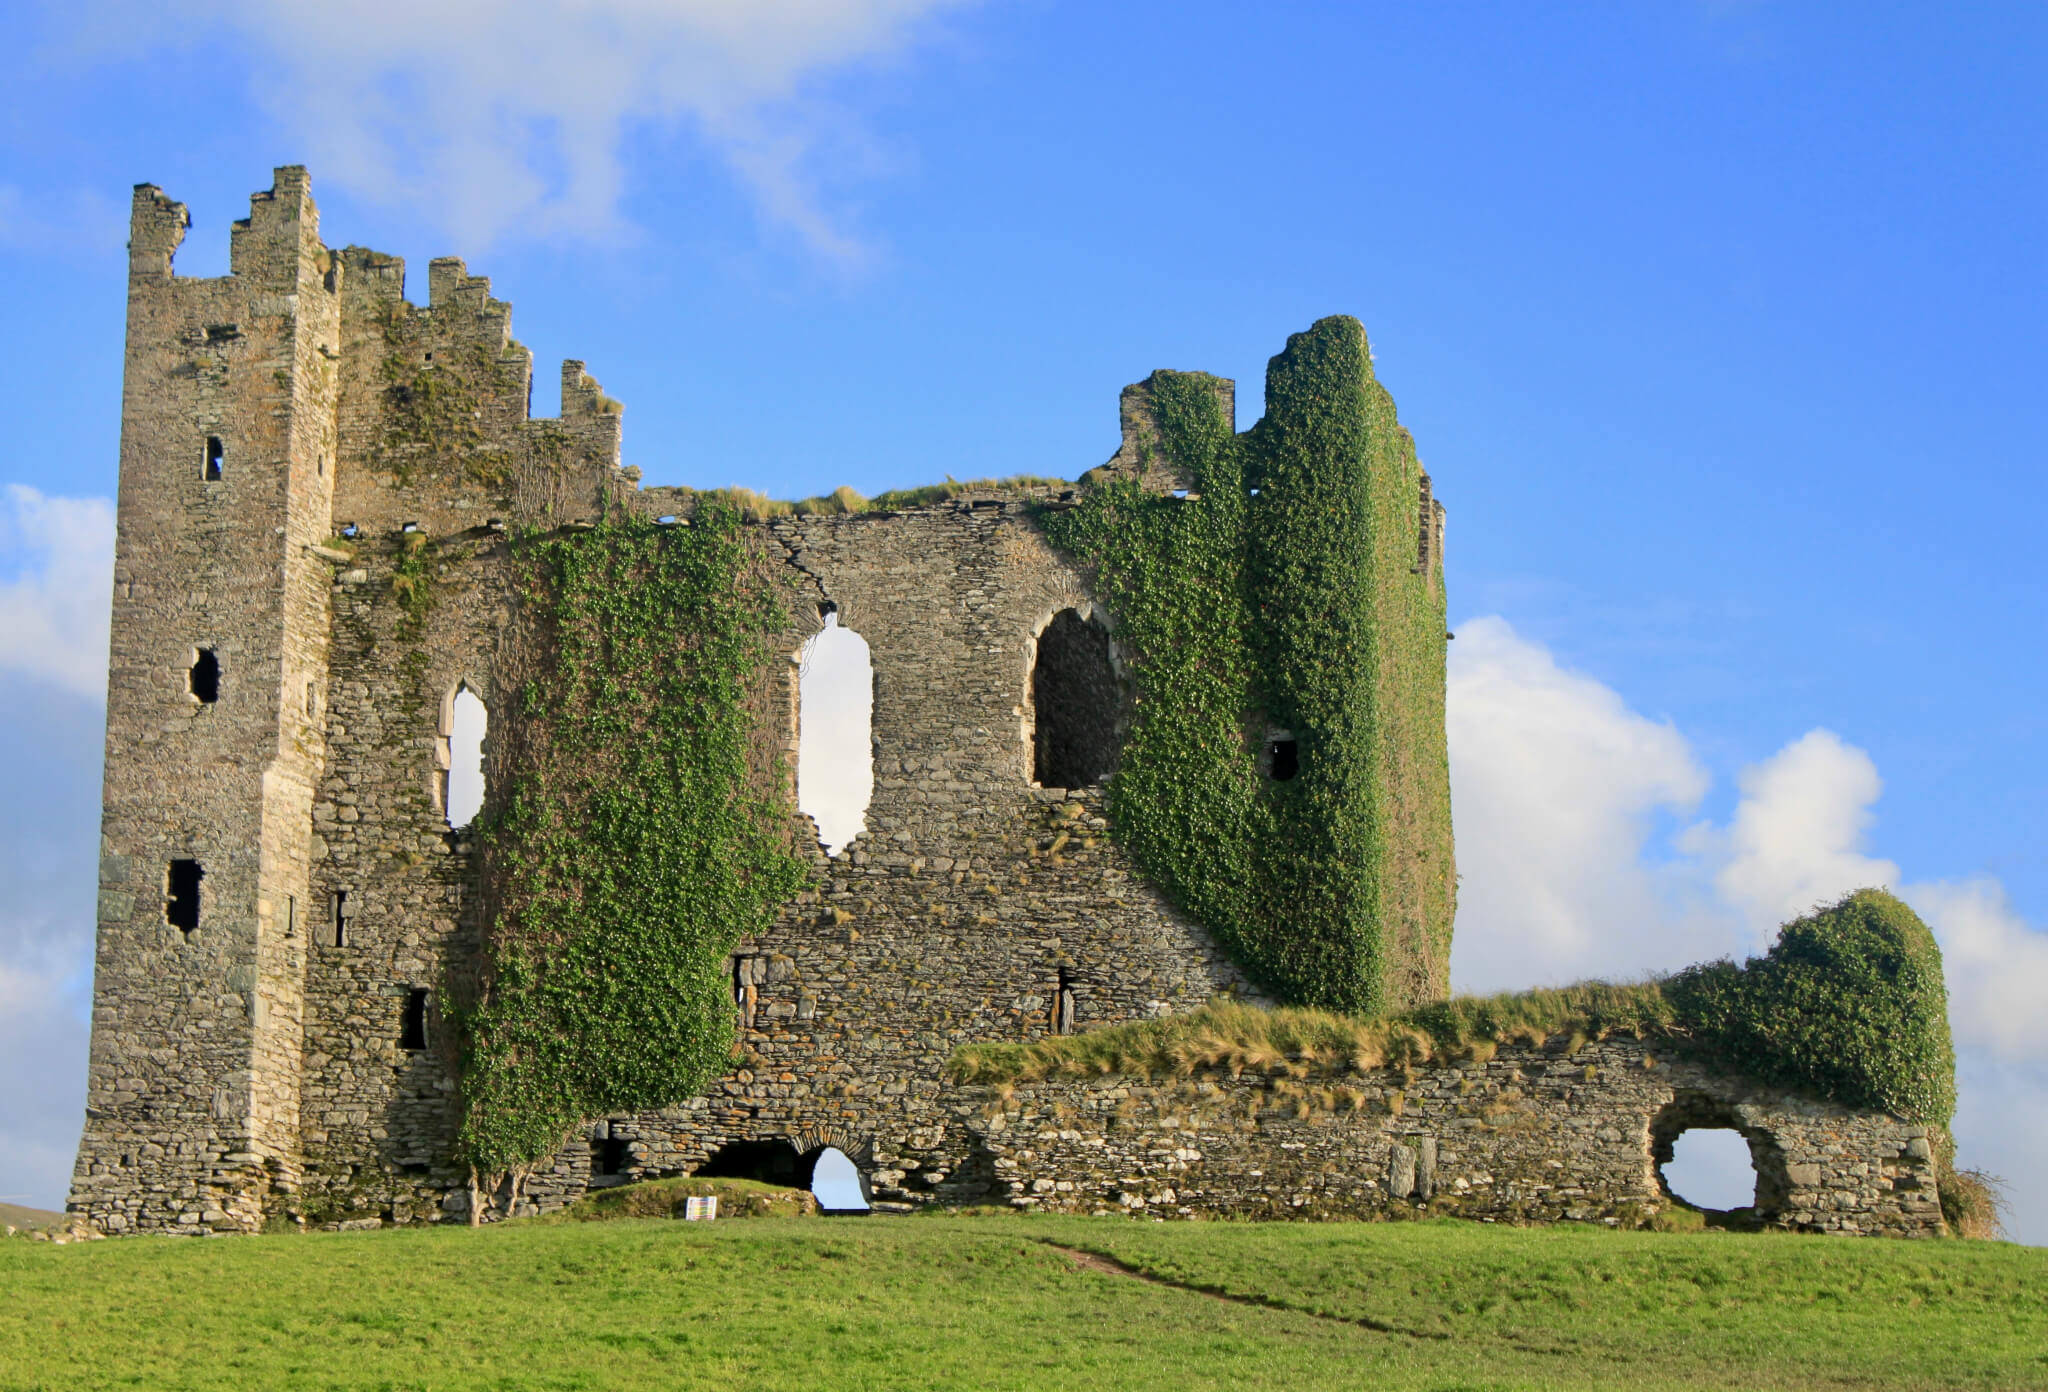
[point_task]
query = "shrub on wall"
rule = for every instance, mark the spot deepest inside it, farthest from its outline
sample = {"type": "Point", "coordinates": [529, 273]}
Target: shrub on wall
{"type": "Point", "coordinates": [631, 851]}
{"type": "Point", "coordinates": [1849, 1002]}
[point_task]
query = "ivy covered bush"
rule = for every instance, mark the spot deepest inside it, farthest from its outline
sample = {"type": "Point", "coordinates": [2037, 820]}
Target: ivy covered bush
{"type": "Point", "coordinates": [1849, 1003]}
{"type": "Point", "coordinates": [1285, 594]}
{"type": "Point", "coordinates": [631, 851]}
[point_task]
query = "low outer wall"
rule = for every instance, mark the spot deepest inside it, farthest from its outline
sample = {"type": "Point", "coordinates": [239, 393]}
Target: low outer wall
{"type": "Point", "coordinates": [1532, 1135]}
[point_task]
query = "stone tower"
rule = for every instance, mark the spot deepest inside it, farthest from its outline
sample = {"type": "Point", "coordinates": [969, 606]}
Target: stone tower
{"type": "Point", "coordinates": [214, 735]}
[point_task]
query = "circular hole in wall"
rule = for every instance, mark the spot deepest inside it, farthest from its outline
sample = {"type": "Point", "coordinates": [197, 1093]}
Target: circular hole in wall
{"type": "Point", "coordinates": [1710, 1168]}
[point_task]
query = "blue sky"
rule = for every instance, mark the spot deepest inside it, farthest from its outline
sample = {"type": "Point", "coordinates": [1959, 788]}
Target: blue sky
{"type": "Point", "coordinates": [1717, 324]}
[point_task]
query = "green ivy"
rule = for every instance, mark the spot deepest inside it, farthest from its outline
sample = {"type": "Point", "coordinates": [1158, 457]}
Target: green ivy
{"type": "Point", "coordinates": [1848, 1002]}
{"type": "Point", "coordinates": [632, 851]}
{"type": "Point", "coordinates": [1285, 593]}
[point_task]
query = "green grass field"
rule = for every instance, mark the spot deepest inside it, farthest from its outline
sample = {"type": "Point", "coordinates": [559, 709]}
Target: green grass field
{"type": "Point", "coordinates": [1003, 1302]}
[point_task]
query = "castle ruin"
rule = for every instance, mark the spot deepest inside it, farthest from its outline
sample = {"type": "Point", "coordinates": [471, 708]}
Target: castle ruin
{"type": "Point", "coordinates": [283, 900]}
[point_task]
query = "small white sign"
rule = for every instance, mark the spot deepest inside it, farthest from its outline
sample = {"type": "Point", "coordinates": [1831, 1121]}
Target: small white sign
{"type": "Point", "coordinates": [700, 1210]}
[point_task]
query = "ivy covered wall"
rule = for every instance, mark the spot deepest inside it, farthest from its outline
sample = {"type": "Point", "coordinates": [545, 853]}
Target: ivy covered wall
{"type": "Point", "coordinates": [1293, 593]}
{"type": "Point", "coordinates": [632, 850]}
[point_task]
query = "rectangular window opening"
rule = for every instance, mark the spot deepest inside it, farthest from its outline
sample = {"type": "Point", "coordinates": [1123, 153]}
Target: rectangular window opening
{"type": "Point", "coordinates": [214, 456]}
{"type": "Point", "coordinates": [343, 912]}
{"type": "Point", "coordinates": [1063, 1005]}
{"type": "Point", "coordinates": [412, 1029]}
{"type": "Point", "coordinates": [291, 915]}
{"type": "Point", "coordinates": [1285, 757]}
{"type": "Point", "coordinates": [206, 676]}
{"type": "Point", "coordinates": [181, 894]}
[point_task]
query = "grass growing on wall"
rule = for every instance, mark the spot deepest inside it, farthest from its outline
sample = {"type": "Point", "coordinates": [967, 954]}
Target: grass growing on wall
{"type": "Point", "coordinates": [631, 853]}
{"type": "Point", "coordinates": [1284, 594]}
{"type": "Point", "coordinates": [1848, 1005]}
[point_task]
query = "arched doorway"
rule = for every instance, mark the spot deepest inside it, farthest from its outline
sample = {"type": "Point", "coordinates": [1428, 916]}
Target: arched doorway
{"type": "Point", "coordinates": [837, 1183]}
{"type": "Point", "coordinates": [826, 1171]}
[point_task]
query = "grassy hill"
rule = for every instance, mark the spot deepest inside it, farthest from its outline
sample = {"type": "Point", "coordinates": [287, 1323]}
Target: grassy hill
{"type": "Point", "coordinates": [1022, 1302]}
{"type": "Point", "coordinates": [15, 1216]}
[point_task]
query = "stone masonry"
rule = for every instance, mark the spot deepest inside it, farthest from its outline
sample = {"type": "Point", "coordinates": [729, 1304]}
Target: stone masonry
{"type": "Point", "coordinates": [1529, 1135]}
{"type": "Point", "coordinates": [307, 458]}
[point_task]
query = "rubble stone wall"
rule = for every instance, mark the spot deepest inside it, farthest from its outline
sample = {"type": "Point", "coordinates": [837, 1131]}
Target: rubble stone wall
{"type": "Point", "coordinates": [1529, 1135]}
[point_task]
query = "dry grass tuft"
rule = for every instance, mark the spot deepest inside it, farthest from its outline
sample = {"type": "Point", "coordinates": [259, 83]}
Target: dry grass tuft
{"type": "Point", "coordinates": [1226, 1036]}
{"type": "Point", "coordinates": [1974, 1203]}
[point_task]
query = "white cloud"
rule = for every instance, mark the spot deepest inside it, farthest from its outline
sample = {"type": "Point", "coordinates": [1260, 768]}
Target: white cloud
{"type": "Point", "coordinates": [59, 553]}
{"type": "Point", "coordinates": [1794, 842]}
{"type": "Point", "coordinates": [1556, 787]}
{"type": "Point", "coordinates": [511, 114]}
{"type": "Point", "coordinates": [1996, 966]}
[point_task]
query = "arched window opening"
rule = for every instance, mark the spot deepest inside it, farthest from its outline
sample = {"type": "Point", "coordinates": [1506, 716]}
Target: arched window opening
{"type": "Point", "coordinates": [770, 1162]}
{"type": "Point", "coordinates": [835, 762]}
{"type": "Point", "coordinates": [1077, 704]}
{"type": "Point", "coordinates": [206, 676]}
{"type": "Point", "coordinates": [836, 1182]}
{"type": "Point", "coordinates": [462, 758]}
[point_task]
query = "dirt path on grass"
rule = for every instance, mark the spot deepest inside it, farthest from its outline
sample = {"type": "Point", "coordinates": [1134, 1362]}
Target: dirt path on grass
{"type": "Point", "coordinates": [1085, 1260]}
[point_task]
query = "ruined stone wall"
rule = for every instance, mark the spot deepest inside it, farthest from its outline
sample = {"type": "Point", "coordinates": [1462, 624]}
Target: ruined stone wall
{"type": "Point", "coordinates": [955, 916]}
{"type": "Point", "coordinates": [1528, 1136]}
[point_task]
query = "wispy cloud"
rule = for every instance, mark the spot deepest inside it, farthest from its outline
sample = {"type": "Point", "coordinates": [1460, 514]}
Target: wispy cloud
{"type": "Point", "coordinates": [514, 115]}
{"type": "Point", "coordinates": [57, 560]}
{"type": "Point", "coordinates": [75, 222]}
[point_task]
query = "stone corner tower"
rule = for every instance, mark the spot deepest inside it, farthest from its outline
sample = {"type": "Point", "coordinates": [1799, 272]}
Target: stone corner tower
{"type": "Point", "coordinates": [216, 682]}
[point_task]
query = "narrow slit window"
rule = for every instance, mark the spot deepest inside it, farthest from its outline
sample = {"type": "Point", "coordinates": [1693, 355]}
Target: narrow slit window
{"type": "Point", "coordinates": [206, 676]}
{"type": "Point", "coordinates": [1063, 1004]}
{"type": "Point", "coordinates": [343, 913]}
{"type": "Point", "coordinates": [214, 456]}
{"type": "Point", "coordinates": [181, 894]}
{"type": "Point", "coordinates": [412, 1028]}
{"type": "Point", "coordinates": [1284, 758]}
{"type": "Point", "coordinates": [291, 916]}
